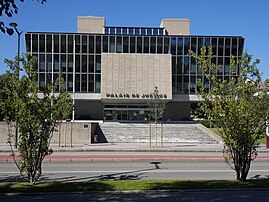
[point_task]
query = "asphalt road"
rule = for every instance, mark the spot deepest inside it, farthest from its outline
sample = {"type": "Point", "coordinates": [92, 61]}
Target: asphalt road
{"type": "Point", "coordinates": [183, 170]}
{"type": "Point", "coordinates": [156, 196]}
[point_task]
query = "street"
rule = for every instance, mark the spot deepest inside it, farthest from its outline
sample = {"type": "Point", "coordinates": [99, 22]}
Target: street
{"type": "Point", "coordinates": [145, 170]}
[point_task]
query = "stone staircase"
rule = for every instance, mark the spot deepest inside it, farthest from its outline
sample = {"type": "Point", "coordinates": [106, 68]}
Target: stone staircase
{"type": "Point", "coordinates": [187, 133]}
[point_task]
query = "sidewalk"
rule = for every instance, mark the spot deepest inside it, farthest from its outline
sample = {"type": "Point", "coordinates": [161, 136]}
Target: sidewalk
{"type": "Point", "coordinates": [135, 152]}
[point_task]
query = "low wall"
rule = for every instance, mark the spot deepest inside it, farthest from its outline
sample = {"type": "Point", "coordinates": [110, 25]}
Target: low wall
{"type": "Point", "coordinates": [65, 134]}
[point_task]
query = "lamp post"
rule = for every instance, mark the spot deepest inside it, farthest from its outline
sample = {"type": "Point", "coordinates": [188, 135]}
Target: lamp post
{"type": "Point", "coordinates": [14, 25]}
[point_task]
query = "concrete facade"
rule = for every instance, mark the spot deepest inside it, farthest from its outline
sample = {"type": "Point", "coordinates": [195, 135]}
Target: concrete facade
{"type": "Point", "coordinates": [176, 26]}
{"type": "Point", "coordinates": [136, 74]}
{"type": "Point", "coordinates": [91, 24]}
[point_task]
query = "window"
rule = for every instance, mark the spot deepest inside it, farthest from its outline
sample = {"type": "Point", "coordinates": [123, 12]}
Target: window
{"type": "Point", "coordinates": [91, 44]}
{"type": "Point", "coordinates": [49, 43]}
{"type": "Point", "coordinates": [77, 44]}
{"type": "Point", "coordinates": [49, 63]}
{"type": "Point", "coordinates": [112, 45]}
{"type": "Point", "coordinates": [126, 44]}
{"type": "Point", "coordinates": [124, 30]}
{"type": "Point", "coordinates": [240, 47]}
{"type": "Point", "coordinates": [98, 44]}
{"type": "Point", "coordinates": [186, 45]}
{"type": "Point", "coordinates": [149, 31]}
{"type": "Point", "coordinates": [118, 30]}
{"type": "Point", "coordinates": [70, 82]}
{"type": "Point", "coordinates": [106, 30]}
{"type": "Point", "coordinates": [91, 83]}
{"type": "Point", "coordinates": [137, 31]}
{"type": "Point", "coordinates": [84, 82]}
{"type": "Point", "coordinates": [77, 82]}
{"type": "Point", "coordinates": [28, 42]}
{"type": "Point", "coordinates": [139, 44]}
{"type": "Point", "coordinates": [70, 63]}
{"type": "Point", "coordinates": [41, 43]}
{"type": "Point", "coordinates": [41, 81]}
{"type": "Point", "coordinates": [132, 44]}
{"type": "Point", "coordinates": [35, 43]}
{"type": "Point", "coordinates": [41, 62]}
{"type": "Point", "coordinates": [161, 32]}
{"type": "Point", "coordinates": [56, 43]}
{"type": "Point", "coordinates": [220, 46]}
{"type": "Point", "coordinates": [97, 83]}
{"type": "Point", "coordinates": [56, 63]}
{"type": "Point", "coordinates": [174, 65]}
{"type": "Point", "coordinates": [70, 43]}
{"type": "Point", "coordinates": [234, 46]}
{"type": "Point", "coordinates": [214, 46]}
{"type": "Point", "coordinates": [186, 65]}
{"type": "Point", "coordinates": [143, 31]}
{"type": "Point", "coordinates": [159, 44]}
{"type": "Point", "coordinates": [179, 65]}
{"type": "Point", "coordinates": [91, 64]}
{"type": "Point", "coordinates": [146, 45]}
{"type": "Point", "coordinates": [166, 45]}
{"type": "Point", "coordinates": [98, 64]}
{"type": "Point", "coordinates": [194, 45]}
{"type": "Point", "coordinates": [180, 46]}
{"type": "Point", "coordinates": [173, 46]}
{"type": "Point", "coordinates": [112, 30]}
{"type": "Point", "coordinates": [63, 44]}
{"type": "Point", "coordinates": [105, 44]}
{"type": "Point", "coordinates": [77, 63]}
{"type": "Point", "coordinates": [63, 63]}
{"type": "Point", "coordinates": [200, 45]}
{"type": "Point", "coordinates": [193, 65]}
{"type": "Point", "coordinates": [155, 32]}
{"type": "Point", "coordinates": [227, 47]}
{"type": "Point", "coordinates": [179, 84]}
{"type": "Point", "coordinates": [119, 44]}
{"type": "Point", "coordinates": [152, 44]}
{"type": "Point", "coordinates": [84, 63]}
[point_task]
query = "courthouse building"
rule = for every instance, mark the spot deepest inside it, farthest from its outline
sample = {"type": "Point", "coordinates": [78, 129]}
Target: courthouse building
{"type": "Point", "coordinates": [111, 71]}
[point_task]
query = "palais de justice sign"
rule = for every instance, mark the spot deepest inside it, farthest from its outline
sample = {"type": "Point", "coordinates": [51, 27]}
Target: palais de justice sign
{"type": "Point", "coordinates": [134, 95]}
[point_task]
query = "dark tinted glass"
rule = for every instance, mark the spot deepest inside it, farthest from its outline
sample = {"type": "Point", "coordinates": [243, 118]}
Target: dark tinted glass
{"type": "Point", "coordinates": [56, 43]}
{"type": "Point", "coordinates": [77, 43]}
{"type": "Point", "coordinates": [227, 46]}
{"type": "Point", "coordinates": [98, 64]}
{"type": "Point", "coordinates": [91, 83]}
{"type": "Point", "coordinates": [63, 63]}
{"type": "Point", "coordinates": [70, 43]}
{"type": "Point", "coordinates": [166, 45]}
{"type": "Point", "coordinates": [91, 44]}
{"type": "Point", "coordinates": [97, 83]}
{"type": "Point", "coordinates": [234, 46]}
{"type": "Point", "coordinates": [143, 31]}
{"type": "Point", "coordinates": [146, 45]}
{"type": "Point", "coordinates": [149, 31]}
{"type": "Point", "coordinates": [84, 63]}
{"type": "Point", "coordinates": [139, 44]}
{"type": "Point", "coordinates": [49, 62]}
{"type": "Point", "coordinates": [91, 64]}
{"type": "Point", "coordinates": [112, 44]}
{"type": "Point", "coordinates": [173, 46]}
{"type": "Point", "coordinates": [84, 82]}
{"type": "Point", "coordinates": [41, 62]}
{"type": "Point", "coordinates": [77, 82]}
{"type": "Point", "coordinates": [132, 44]}
{"type": "Point", "coordinates": [220, 46]}
{"type": "Point", "coordinates": [200, 44]}
{"type": "Point", "coordinates": [77, 63]}
{"type": "Point", "coordinates": [41, 43]}
{"type": "Point", "coordinates": [28, 42]}
{"type": "Point", "coordinates": [180, 46]}
{"type": "Point", "coordinates": [152, 44]}
{"type": "Point", "coordinates": [240, 47]}
{"type": "Point", "coordinates": [56, 63]}
{"type": "Point", "coordinates": [98, 44]}
{"type": "Point", "coordinates": [105, 44]}
{"type": "Point", "coordinates": [70, 63]}
{"type": "Point", "coordinates": [194, 45]}
{"type": "Point", "coordinates": [126, 44]}
{"type": "Point", "coordinates": [49, 43]}
{"type": "Point", "coordinates": [179, 65]}
{"type": "Point", "coordinates": [84, 44]}
{"type": "Point", "coordinates": [63, 43]}
{"type": "Point", "coordinates": [119, 44]}
{"type": "Point", "coordinates": [186, 45]}
{"type": "Point", "coordinates": [214, 46]}
{"type": "Point", "coordinates": [159, 44]}
{"type": "Point", "coordinates": [35, 43]}
{"type": "Point", "coordinates": [124, 30]}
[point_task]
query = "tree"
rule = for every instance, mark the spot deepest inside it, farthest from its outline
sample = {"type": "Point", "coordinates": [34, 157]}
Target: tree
{"type": "Point", "coordinates": [241, 111]}
{"type": "Point", "coordinates": [37, 117]}
{"type": "Point", "coordinates": [9, 8]}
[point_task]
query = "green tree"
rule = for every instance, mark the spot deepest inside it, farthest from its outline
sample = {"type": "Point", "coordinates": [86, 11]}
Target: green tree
{"type": "Point", "coordinates": [37, 115]}
{"type": "Point", "coordinates": [8, 8]}
{"type": "Point", "coordinates": [241, 111]}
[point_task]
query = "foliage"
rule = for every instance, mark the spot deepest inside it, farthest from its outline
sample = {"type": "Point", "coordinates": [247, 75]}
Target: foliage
{"type": "Point", "coordinates": [36, 116]}
{"type": "Point", "coordinates": [156, 105]}
{"type": "Point", "coordinates": [9, 8]}
{"type": "Point", "coordinates": [240, 109]}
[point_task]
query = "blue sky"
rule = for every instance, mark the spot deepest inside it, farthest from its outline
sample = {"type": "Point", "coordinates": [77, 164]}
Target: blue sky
{"type": "Point", "coordinates": [247, 18]}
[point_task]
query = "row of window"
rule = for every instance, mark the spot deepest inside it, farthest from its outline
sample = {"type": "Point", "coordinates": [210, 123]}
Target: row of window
{"type": "Point", "coordinates": [89, 44]}
{"type": "Point", "coordinates": [134, 31]}
{"type": "Point", "coordinates": [83, 82]}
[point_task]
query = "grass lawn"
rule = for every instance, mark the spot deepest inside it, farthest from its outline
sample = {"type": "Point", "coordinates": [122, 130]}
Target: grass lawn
{"type": "Point", "coordinates": [122, 185]}
{"type": "Point", "coordinates": [260, 141]}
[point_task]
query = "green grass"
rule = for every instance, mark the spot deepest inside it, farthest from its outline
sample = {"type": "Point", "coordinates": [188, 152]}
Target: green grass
{"type": "Point", "coordinates": [260, 141]}
{"type": "Point", "coordinates": [122, 185]}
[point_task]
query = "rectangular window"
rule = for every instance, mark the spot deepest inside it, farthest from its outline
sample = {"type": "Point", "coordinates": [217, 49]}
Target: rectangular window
{"type": "Point", "coordinates": [63, 63]}
{"type": "Point", "coordinates": [112, 30]}
{"type": "Point", "coordinates": [105, 44]}
{"type": "Point", "coordinates": [155, 32]}
{"type": "Point", "coordinates": [84, 63]}
{"type": "Point", "coordinates": [132, 44]}
{"type": "Point", "coordinates": [41, 82]}
{"type": "Point", "coordinates": [84, 82]}
{"type": "Point", "coordinates": [70, 82]}
{"type": "Point", "coordinates": [166, 45]}
{"type": "Point", "coordinates": [118, 30]}
{"type": "Point", "coordinates": [227, 66]}
{"type": "Point", "coordinates": [174, 65]}
{"type": "Point", "coordinates": [149, 31]}
{"type": "Point", "coordinates": [220, 65]}
{"type": "Point", "coordinates": [234, 46]}
{"type": "Point", "coordinates": [98, 44]}
{"type": "Point", "coordinates": [143, 31]}
{"type": "Point", "coordinates": [161, 32]}
{"type": "Point", "coordinates": [126, 44]}
{"type": "Point", "coordinates": [200, 45]}
{"type": "Point", "coordinates": [139, 45]}
{"type": "Point", "coordinates": [227, 46]}
{"type": "Point", "coordinates": [35, 43]}
{"type": "Point", "coordinates": [214, 46]}
{"type": "Point", "coordinates": [56, 43]}
{"type": "Point", "coordinates": [49, 43]}
{"type": "Point", "coordinates": [63, 43]}
{"type": "Point", "coordinates": [137, 31]}
{"type": "Point", "coordinates": [193, 65]}
{"type": "Point", "coordinates": [186, 45]}
{"type": "Point", "coordinates": [91, 44]}
{"type": "Point", "coordinates": [77, 43]}
{"type": "Point", "coordinates": [91, 64]}
{"type": "Point", "coordinates": [77, 82]}
{"type": "Point", "coordinates": [112, 44]}
{"type": "Point", "coordinates": [180, 46]}
{"type": "Point", "coordinates": [97, 83]}
{"type": "Point", "coordinates": [131, 31]}
{"type": "Point", "coordinates": [28, 42]}
{"type": "Point", "coordinates": [91, 83]}
{"type": "Point", "coordinates": [152, 44]}
{"type": "Point", "coordinates": [119, 44]}
{"type": "Point", "coordinates": [77, 63]}
{"type": "Point", "coordinates": [220, 46]}
{"type": "Point", "coordinates": [159, 44]}
{"type": "Point", "coordinates": [56, 63]}
{"type": "Point", "coordinates": [42, 62]}
{"type": "Point", "coordinates": [124, 30]}
{"type": "Point", "coordinates": [179, 65]}
{"type": "Point", "coordinates": [98, 64]}
{"type": "Point", "coordinates": [240, 47]}
{"type": "Point", "coordinates": [186, 84]}
{"type": "Point", "coordinates": [70, 43]}
{"type": "Point", "coordinates": [173, 46]}
{"type": "Point", "coordinates": [194, 45]}
{"type": "Point", "coordinates": [84, 44]}
{"type": "Point", "coordinates": [186, 65]}
{"type": "Point", "coordinates": [70, 63]}
{"type": "Point", "coordinates": [146, 45]}
{"type": "Point", "coordinates": [41, 43]}
{"type": "Point", "coordinates": [49, 62]}
{"type": "Point", "coordinates": [179, 84]}
{"type": "Point", "coordinates": [106, 30]}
